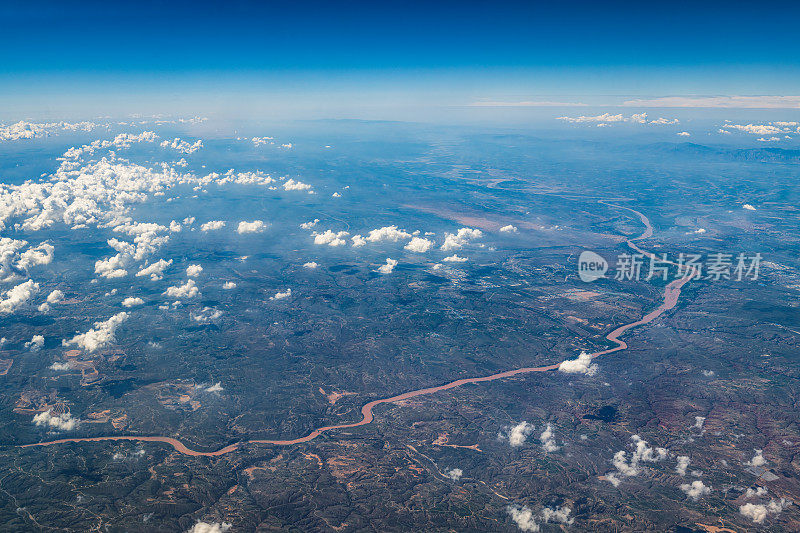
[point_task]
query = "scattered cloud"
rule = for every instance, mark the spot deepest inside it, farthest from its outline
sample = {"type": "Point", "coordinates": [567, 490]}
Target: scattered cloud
{"type": "Point", "coordinates": [206, 315]}
{"type": "Point", "coordinates": [35, 344]}
{"type": "Point", "coordinates": [388, 267]}
{"type": "Point", "coordinates": [310, 265]}
{"type": "Point", "coordinates": [582, 365]}
{"type": "Point", "coordinates": [309, 225]}
{"type": "Point", "coordinates": [330, 238]}
{"type": "Point", "coordinates": [155, 270]}
{"type": "Point", "coordinates": [526, 520]}
{"type": "Point", "coordinates": [684, 134]}
{"type": "Point", "coordinates": [228, 285]}
{"type": "Point", "coordinates": [683, 464]}
{"type": "Point", "coordinates": [455, 241]}
{"type": "Point", "coordinates": [607, 118]}
{"type": "Point", "coordinates": [696, 489]}
{"type": "Point", "coordinates": [517, 435]}
{"type": "Point", "coordinates": [101, 336]}
{"type": "Point", "coordinates": [60, 422]}
{"type": "Point", "coordinates": [255, 226]}
{"type": "Point", "coordinates": [642, 453]}
{"type": "Point", "coordinates": [212, 225]}
{"type": "Point", "coordinates": [667, 122]}
{"type": "Point", "coordinates": [509, 229]}
{"type": "Point", "coordinates": [216, 387]}
{"type": "Point", "coordinates": [698, 422]}
{"type": "Point", "coordinates": [745, 102]}
{"type": "Point", "coordinates": [131, 301]}
{"type": "Point", "coordinates": [35, 256]}
{"type": "Point", "coordinates": [16, 297]}
{"type": "Point", "coordinates": [419, 245]}
{"type": "Point", "coordinates": [756, 493]}
{"type": "Point", "coordinates": [527, 103]}
{"type": "Point", "coordinates": [281, 295]}
{"type": "Point", "coordinates": [548, 440]}
{"type": "Point", "coordinates": [187, 290]}
{"type": "Point", "coordinates": [388, 233]}
{"type": "Point", "coordinates": [120, 142]}
{"type": "Point", "coordinates": [759, 512]}
{"type": "Point", "coordinates": [292, 185]}
{"type": "Point", "coordinates": [755, 129]}
{"type": "Point", "coordinates": [454, 473]}
{"type": "Point", "coordinates": [193, 270]}
{"type": "Point", "coordinates": [748, 207]}
{"type": "Point", "coordinates": [558, 515]}
{"type": "Point", "coordinates": [31, 130]}
{"type": "Point", "coordinates": [757, 460]}
{"type": "Point", "coordinates": [55, 297]}
{"type": "Point", "coordinates": [261, 141]}
{"type": "Point", "coordinates": [213, 527]}
{"type": "Point", "coordinates": [183, 146]}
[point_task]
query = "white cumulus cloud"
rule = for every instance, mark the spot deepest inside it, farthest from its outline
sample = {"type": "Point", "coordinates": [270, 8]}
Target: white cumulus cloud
{"type": "Point", "coordinates": [642, 453]}
{"type": "Point", "coordinates": [455, 241]}
{"type": "Point", "coordinates": [758, 512]}
{"type": "Point", "coordinates": [212, 527]}
{"type": "Point", "coordinates": [292, 185]}
{"type": "Point", "coordinates": [454, 473]}
{"type": "Point", "coordinates": [55, 297]}
{"type": "Point", "coordinates": [757, 460]}
{"type": "Point", "coordinates": [212, 225]}
{"type": "Point", "coordinates": [206, 315]}
{"type": "Point", "coordinates": [524, 518]}
{"type": "Point", "coordinates": [330, 238]}
{"type": "Point", "coordinates": [683, 464]}
{"type": "Point", "coordinates": [388, 233]}
{"type": "Point", "coordinates": [388, 267]}
{"type": "Point", "coordinates": [250, 227]}
{"type": "Point", "coordinates": [547, 438]}
{"type": "Point", "coordinates": [16, 297]}
{"type": "Point", "coordinates": [517, 435]}
{"type": "Point", "coordinates": [35, 344]}
{"type": "Point", "coordinates": [419, 245]}
{"type": "Point", "coordinates": [62, 422]}
{"type": "Point", "coordinates": [187, 290]}
{"type": "Point", "coordinates": [155, 270]}
{"type": "Point", "coordinates": [281, 295]}
{"type": "Point", "coordinates": [132, 301]}
{"type": "Point", "coordinates": [101, 336]}
{"type": "Point", "coordinates": [582, 365]}
{"type": "Point", "coordinates": [696, 489]}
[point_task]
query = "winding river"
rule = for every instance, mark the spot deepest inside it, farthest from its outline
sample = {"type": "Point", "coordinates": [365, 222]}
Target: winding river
{"type": "Point", "coordinates": [671, 294]}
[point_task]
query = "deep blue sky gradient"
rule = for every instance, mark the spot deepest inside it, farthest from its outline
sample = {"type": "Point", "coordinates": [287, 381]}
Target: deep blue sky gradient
{"type": "Point", "coordinates": [181, 36]}
{"type": "Point", "coordinates": [466, 50]}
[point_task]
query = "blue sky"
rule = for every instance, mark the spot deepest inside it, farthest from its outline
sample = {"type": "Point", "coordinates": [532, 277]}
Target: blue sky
{"type": "Point", "coordinates": [451, 53]}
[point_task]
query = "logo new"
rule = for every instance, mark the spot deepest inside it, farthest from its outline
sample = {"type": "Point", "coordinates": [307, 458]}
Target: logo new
{"type": "Point", "coordinates": [591, 266]}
